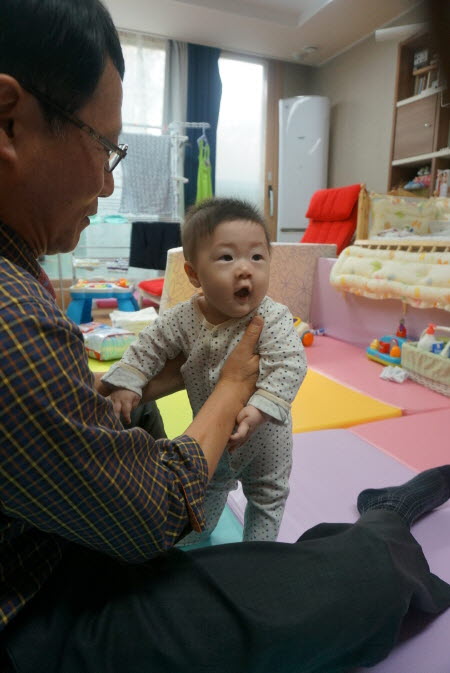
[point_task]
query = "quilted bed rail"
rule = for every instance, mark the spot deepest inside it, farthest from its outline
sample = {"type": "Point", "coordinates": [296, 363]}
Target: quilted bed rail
{"type": "Point", "coordinates": [421, 279]}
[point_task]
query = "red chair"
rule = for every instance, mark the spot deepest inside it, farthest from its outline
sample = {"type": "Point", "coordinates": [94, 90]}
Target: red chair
{"type": "Point", "coordinates": [332, 214]}
{"type": "Point", "coordinates": [150, 292]}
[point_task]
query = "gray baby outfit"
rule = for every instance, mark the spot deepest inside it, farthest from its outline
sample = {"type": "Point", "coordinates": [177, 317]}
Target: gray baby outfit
{"type": "Point", "coordinates": [263, 463]}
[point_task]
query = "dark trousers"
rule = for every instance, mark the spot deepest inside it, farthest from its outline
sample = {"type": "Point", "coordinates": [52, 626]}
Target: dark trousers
{"type": "Point", "coordinates": [148, 417]}
{"type": "Point", "coordinates": [334, 600]}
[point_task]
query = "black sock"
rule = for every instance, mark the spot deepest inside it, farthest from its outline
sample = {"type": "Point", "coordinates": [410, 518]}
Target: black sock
{"type": "Point", "coordinates": [418, 496]}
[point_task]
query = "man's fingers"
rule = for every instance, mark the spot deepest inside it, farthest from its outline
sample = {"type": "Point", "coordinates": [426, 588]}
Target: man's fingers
{"type": "Point", "coordinates": [252, 333]}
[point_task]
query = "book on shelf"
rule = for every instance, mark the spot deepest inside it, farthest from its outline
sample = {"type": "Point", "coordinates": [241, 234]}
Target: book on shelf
{"type": "Point", "coordinates": [425, 80]}
{"type": "Point", "coordinates": [420, 84]}
{"type": "Point", "coordinates": [421, 58]}
{"type": "Point", "coordinates": [432, 79]}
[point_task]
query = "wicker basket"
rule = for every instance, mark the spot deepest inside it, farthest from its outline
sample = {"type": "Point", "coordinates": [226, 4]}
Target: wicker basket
{"type": "Point", "coordinates": [430, 369]}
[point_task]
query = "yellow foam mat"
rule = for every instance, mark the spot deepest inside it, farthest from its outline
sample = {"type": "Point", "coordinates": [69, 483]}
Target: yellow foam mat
{"type": "Point", "coordinates": [322, 403]}
{"type": "Point", "coordinates": [176, 413]}
{"type": "Point", "coordinates": [100, 365]}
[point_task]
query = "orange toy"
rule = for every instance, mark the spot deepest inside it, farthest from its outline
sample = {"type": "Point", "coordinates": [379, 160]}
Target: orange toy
{"type": "Point", "coordinates": [395, 352]}
{"type": "Point", "coordinates": [304, 331]}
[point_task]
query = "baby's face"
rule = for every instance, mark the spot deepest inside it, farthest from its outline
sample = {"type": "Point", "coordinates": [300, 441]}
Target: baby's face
{"type": "Point", "coordinates": [233, 267]}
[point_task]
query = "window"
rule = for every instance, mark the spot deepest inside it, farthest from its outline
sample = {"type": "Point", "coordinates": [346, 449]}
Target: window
{"type": "Point", "coordinates": [143, 97]}
{"type": "Point", "coordinates": [241, 129]}
{"type": "Point", "coordinates": [143, 101]}
{"type": "Point", "coordinates": [143, 85]}
{"type": "Point", "coordinates": [142, 108]}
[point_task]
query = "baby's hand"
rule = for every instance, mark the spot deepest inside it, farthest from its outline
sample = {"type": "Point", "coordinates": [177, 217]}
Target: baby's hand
{"type": "Point", "coordinates": [124, 401]}
{"type": "Point", "coordinates": [248, 419]}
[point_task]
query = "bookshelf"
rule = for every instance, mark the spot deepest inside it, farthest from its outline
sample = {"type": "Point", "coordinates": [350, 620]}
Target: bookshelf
{"type": "Point", "coordinates": [420, 136]}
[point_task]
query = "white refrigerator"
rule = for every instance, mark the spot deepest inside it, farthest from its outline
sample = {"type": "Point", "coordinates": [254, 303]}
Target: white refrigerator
{"type": "Point", "coordinates": [303, 160]}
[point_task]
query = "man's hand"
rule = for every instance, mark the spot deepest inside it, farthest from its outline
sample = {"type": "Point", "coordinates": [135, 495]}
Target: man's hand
{"type": "Point", "coordinates": [214, 423]}
{"type": "Point", "coordinates": [242, 366]}
{"type": "Point", "coordinates": [248, 419]}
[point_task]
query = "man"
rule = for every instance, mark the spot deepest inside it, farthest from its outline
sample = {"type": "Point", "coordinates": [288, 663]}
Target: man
{"type": "Point", "coordinates": [88, 509]}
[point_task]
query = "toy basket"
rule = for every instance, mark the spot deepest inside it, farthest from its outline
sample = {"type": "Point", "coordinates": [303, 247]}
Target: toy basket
{"type": "Point", "coordinates": [429, 369]}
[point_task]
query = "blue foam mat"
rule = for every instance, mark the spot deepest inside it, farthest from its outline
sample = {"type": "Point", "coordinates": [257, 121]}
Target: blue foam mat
{"type": "Point", "coordinates": [229, 529]}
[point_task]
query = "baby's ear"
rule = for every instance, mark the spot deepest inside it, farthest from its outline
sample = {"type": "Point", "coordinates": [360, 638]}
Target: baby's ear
{"type": "Point", "coordinates": [191, 274]}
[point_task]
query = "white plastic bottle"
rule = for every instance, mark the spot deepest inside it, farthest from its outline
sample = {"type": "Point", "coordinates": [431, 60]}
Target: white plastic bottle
{"type": "Point", "coordinates": [427, 339]}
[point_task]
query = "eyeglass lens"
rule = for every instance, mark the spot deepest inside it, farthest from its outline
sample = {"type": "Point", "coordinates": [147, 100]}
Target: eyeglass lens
{"type": "Point", "coordinates": [115, 158]}
{"type": "Point", "coordinates": [112, 161]}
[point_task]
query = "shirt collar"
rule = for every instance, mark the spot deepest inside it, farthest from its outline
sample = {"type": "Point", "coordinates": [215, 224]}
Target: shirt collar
{"type": "Point", "coordinates": [16, 250]}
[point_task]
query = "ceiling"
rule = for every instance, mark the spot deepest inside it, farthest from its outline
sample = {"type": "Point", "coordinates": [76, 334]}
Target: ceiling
{"type": "Point", "coordinates": [304, 31]}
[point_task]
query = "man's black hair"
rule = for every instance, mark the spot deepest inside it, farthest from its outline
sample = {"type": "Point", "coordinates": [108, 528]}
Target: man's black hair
{"type": "Point", "coordinates": [58, 47]}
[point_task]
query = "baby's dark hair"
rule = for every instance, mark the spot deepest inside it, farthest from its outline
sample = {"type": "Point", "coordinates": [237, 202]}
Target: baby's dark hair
{"type": "Point", "coordinates": [202, 219]}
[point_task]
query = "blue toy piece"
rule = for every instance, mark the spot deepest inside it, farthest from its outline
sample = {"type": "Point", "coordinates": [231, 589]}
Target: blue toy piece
{"type": "Point", "coordinates": [385, 343]}
{"type": "Point", "coordinates": [80, 308]}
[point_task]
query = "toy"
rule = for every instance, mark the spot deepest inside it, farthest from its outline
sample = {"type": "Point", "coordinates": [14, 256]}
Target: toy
{"type": "Point", "coordinates": [395, 352]}
{"type": "Point", "coordinates": [401, 331]}
{"type": "Point", "coordinates": [384, 346]}
{"type": "Point", "coordinates": [304, 330]}
{"type": "Point", "coordinates": [427, 338]}
{"type": "Point", "coordinates": [83, 292]}
{"type": "Point", "coordinates": [421, 181]}
{"type": "Point", "coordinates": [386, 350]}
{"type": "Point", "coordinates": [106, 286]}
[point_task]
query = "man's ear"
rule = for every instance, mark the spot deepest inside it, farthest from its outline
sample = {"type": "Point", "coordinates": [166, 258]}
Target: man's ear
{"type": "Point", "coordinates": [191, 274]}
{"type": "Point", "coordinates": [10, 94]}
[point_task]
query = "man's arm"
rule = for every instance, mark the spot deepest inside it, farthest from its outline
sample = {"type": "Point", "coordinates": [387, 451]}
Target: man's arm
{"type": "Point", "coordinates": [72, 469]}
{"type": "Point", "coordinates": [211, 427]}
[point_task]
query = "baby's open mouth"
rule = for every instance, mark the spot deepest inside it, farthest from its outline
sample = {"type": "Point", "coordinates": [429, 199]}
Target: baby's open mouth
{"type": "Point", "coordinates": [243, 292]}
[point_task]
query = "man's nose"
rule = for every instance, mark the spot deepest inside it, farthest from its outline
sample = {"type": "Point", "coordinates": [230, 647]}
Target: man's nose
{"type": "Point", "coordinates": [108, 185]}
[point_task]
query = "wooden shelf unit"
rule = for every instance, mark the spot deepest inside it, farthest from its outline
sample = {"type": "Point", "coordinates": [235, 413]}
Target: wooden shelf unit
{"type": "Point", "coordinates": [420, 132]}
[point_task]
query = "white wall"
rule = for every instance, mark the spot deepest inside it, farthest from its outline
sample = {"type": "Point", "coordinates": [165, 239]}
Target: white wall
{"type": "Point", "coordinates": [298, 80]}
{"type": "Point", "coordinates": [360, 84]}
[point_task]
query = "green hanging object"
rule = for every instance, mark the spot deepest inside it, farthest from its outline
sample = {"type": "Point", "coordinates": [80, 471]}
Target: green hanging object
{"type": "Point", "coordinates": [204, 182]}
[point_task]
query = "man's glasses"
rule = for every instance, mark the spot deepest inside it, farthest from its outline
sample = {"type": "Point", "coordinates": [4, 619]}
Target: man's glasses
{"type": "Point", "coordinates": [115, 152]}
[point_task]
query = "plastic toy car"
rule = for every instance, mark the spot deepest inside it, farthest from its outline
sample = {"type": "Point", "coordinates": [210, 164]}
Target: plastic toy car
{"type": "Point", "coordinates": [386, 350]}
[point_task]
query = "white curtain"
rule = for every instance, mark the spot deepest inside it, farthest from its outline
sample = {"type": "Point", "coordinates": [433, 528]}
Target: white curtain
{"type": "Point", "coordinates": [154, 94]}
{"type": "Point", "coordinates": [175, 99]}
{"type": "Point", "coordinates": [176, 78]}
{"type": "Point", "coordinates": [143, 98]}
{"type": "Point", "coordinates": [144, 82]}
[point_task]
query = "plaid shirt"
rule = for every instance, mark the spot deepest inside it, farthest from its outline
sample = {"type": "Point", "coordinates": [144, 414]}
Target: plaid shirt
{"type": "Point", "coordinates": [68, 469]}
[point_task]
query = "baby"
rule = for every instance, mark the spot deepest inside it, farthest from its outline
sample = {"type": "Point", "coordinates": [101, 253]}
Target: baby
{"type": "Point", "coordinates": [226, 246]}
